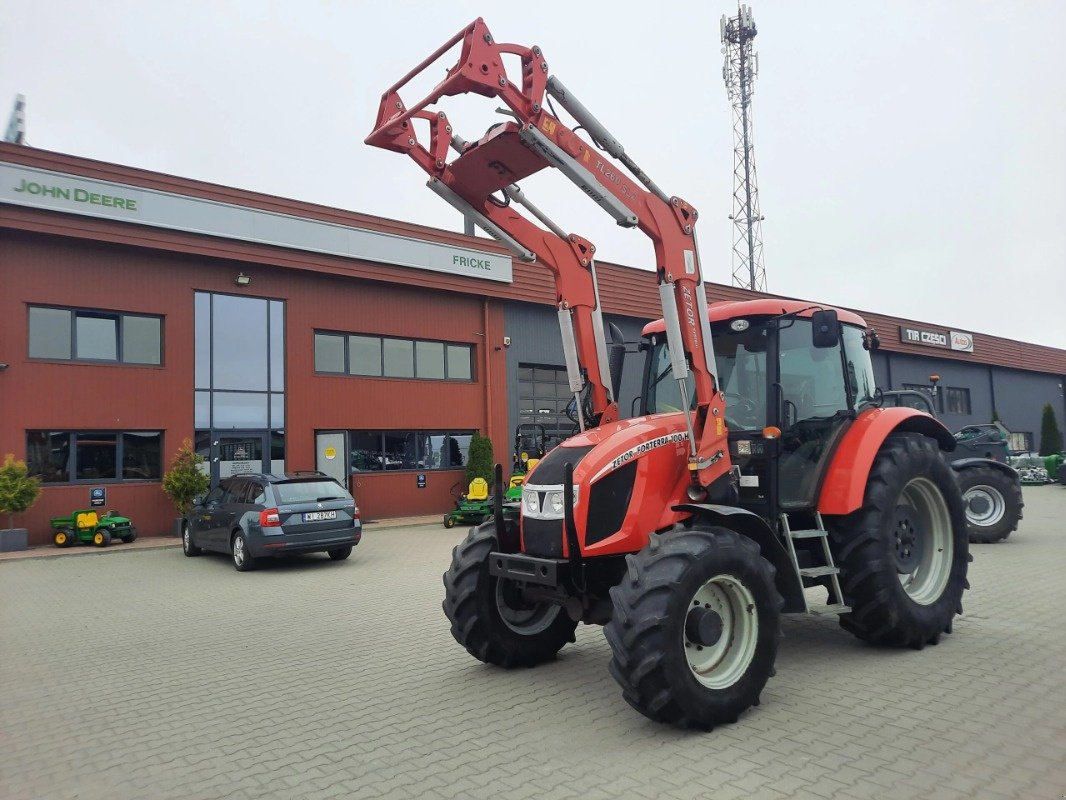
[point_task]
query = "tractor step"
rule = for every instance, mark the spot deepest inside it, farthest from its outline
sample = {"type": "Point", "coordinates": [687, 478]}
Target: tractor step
{"type": "Point", "coordinates": [814, 533]}
{"type": "Point", "coordinates": [830, 569]}
{"type": "Point", "coordinates": [818, 572]}
{"type": "Point", "coordinates": [833, 608]}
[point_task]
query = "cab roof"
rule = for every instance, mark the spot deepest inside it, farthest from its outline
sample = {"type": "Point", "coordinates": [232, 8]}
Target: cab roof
{"type": "Point", "coordinates": [765, 307]}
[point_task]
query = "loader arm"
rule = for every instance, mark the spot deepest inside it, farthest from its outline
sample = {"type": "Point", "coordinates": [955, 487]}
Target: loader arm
{"type": "Point", "coordinates": [536, 140]}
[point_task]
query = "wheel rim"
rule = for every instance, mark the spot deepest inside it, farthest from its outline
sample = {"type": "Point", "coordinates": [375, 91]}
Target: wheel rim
{"type": "Point", "coordinates": [238, 551]}
{"type": "Point", "coordinates": [98, 538]}
{"type": "Point", "coordinates": [723, 610]}
{"type": "Point", "coordinates": [522, 617]}
{"type": "Point", "coordinates": [985, 505]}
{"type": "Point", "coordinates": [924, 545]}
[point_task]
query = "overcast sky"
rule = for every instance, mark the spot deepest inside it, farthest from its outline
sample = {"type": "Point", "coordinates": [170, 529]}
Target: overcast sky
{"type": "Point", "coordinates": [911, 156]}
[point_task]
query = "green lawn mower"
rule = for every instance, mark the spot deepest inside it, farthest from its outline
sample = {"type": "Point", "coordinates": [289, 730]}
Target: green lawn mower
{"type": "Point", "coordinates": [472, 508]}
{"type": "Point", "coordinates": [87, 526]}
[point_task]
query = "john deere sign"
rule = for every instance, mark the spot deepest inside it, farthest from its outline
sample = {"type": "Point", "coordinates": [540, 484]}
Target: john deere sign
{"type": "Point", "coordinates": [73, 194]}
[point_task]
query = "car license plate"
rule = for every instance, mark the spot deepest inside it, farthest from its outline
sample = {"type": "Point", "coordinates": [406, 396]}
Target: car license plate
{"type": "Point", "coordinates": [317, 516]}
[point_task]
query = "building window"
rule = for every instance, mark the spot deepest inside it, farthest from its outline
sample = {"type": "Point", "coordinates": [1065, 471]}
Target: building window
{"type": "Point", "coordinates": [88, 456]}
{"type": "Point", "coordinates": [389, 357]}
{"type": "Point", "coordinates": [937, 400]}
{"type": "Point", "coordinates": [70, 334]}
{"type": "Point", "coordinates": [379, 451]}
{"type": "Point", "coordinates": [956, 400]}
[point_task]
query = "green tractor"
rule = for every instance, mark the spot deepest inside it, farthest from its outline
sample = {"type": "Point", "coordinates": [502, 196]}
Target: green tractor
{"type": "Point", "coordinates": [530, 445]}
{"type": "Point", "coordinates": [86, 525]}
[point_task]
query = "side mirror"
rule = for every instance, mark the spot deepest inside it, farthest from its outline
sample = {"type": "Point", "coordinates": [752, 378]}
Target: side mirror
{"type": "Point", "coordinates": [825, 329]}
{"type": "Point", "coordinates": [198, 500]}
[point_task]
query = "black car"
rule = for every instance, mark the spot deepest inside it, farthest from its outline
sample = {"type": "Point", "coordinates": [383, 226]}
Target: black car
{"type": "Point", "coordinates": [252, 517]}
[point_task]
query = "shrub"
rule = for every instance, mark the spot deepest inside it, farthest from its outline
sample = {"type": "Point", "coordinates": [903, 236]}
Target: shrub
{"type": "Point", "coordinates": [18, 491]}
{"type": "Point", "coordinates": [185, 480]}
{"type": "Point", "coordinates": [479, 460]}
{"type": "Point", "coordinates": [1050, 435]}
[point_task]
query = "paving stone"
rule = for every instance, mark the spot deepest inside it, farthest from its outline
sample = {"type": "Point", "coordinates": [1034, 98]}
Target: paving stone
{"type": "Point", "coordinates": [143, 674]}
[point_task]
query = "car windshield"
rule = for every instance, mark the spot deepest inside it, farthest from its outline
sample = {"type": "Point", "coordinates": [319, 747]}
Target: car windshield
{"type": "Point", "coordinates": [309, 491]}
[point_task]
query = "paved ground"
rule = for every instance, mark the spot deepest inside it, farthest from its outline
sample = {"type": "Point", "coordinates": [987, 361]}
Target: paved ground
{"type": "Point", "coordinates": [143, 674]}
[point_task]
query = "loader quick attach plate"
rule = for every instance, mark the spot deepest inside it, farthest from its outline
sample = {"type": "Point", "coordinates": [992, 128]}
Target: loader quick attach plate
{"type": "Point", "coordinates": [529, 569]}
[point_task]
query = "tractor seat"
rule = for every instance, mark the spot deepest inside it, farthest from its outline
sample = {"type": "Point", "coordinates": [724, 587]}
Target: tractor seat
{"type": "Point", "coordinates": [516, 481]}
{"type": "Point", "coordinates": [87, 519]}
{"type": "Point", "coordinates": [479, 489]}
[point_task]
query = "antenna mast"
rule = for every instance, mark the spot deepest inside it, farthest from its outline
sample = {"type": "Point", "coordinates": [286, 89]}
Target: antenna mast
{"type": "Point", "coordinates": [739, 71]}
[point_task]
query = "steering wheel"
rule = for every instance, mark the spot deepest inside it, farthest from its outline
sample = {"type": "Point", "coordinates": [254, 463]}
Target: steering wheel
{"type": "Point", "coordinates": [740, 412]}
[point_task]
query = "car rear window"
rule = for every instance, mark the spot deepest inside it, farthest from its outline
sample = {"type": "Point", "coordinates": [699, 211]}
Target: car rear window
{"type": "Point", "coordinates": [309, 491]}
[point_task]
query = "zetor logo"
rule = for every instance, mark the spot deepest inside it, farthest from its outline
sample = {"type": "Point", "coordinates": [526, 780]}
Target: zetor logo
{"type": "Point", "coordinates": [471, 262]}
{"type": "Point", "coordinates": [644, 447]}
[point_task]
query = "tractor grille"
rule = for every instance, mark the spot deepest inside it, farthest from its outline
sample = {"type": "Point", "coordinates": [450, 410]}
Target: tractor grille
{"type": "Point", "coordinates": [608, 503]}
{"type": "Point", "coordinates": [542, 537]}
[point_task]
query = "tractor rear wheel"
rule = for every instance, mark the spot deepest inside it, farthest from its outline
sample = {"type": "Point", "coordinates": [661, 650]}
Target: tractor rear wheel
{"type": "Point", "coordinates": [695, 627]}
{"type": "Point", "coordinates": [489, 616]}
{"type": "Point", "coordinates": [993, 503]}
{"type": "Point", "coordinates": [903, 555]}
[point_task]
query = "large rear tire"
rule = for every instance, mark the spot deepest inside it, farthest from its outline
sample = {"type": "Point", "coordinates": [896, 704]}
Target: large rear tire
{"type": "Point", "coordinates": [993, 503]}
{"type": "Point", "coordinates": [903, 555]}
{"type": "Point", "coordinates": [488, 615]}
{"type": "Point", "coordinates": [695, 627]}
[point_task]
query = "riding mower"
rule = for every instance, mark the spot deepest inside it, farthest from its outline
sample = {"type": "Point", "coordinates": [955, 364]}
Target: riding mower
{"type": "Point", "coordinates": [472, 508]}
{"type": "Point", "coordinates": [87, 525]}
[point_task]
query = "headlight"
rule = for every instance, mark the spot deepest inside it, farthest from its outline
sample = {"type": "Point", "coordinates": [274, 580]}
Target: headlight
{"type": "Point", "coordinates": [531, 501]}
{"type": "Point", "coordinates": [555, 503]}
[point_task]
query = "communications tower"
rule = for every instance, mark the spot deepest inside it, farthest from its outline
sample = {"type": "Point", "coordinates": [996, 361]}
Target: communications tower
{"type": "Point", "coordinates": [739, 71]}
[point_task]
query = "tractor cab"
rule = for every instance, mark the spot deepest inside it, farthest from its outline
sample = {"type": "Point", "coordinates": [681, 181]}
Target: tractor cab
{"type": "Point", "coordinates": [793, 378]}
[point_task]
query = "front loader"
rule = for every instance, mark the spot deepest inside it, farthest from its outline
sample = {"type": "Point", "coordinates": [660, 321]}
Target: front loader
{"type": "Point", "coordinates": [760, 468]}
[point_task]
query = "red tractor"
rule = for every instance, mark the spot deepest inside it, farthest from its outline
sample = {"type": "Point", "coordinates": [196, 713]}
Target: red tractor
{"type": "Point", "coordinates": [759, 468]}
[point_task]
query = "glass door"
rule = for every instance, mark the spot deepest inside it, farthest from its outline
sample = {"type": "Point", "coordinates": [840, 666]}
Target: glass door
{"type": "Point", "coordinates": [239, 453]}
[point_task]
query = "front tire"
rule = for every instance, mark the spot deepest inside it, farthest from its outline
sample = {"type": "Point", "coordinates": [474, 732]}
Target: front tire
{"type": "Point", "coordinates": [187, 545]}
{"type": "Point", "coordinates": [490, 618]}
{"type": "Point", "coordinates": [993, 503]}
{"type": "Point", "coordinates": [101, 538]}
{"type": "Point", "coordinates": [695, 627]}
{"type": "Point", "coordinates": [903, 555]}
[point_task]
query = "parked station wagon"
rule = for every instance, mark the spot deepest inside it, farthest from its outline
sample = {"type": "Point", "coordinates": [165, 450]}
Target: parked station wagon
{"type": "Point", "coordinates": [257, 516]}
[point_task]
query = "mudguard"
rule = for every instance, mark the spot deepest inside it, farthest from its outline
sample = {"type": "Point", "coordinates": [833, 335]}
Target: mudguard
{"type": "Point", "coordinates": [963, 463]}
{"type": "Point", "coordinates": [755, 528]}
{"type": "Point", "coordinates": [845, 481]}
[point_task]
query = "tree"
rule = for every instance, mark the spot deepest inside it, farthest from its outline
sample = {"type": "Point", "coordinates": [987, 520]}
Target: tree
{"type": "Point", "coordinates": [1050, 435]}
{"type": "Point", "coordinates": [185, 480]}
{"type": "Point", "coordinates": [479, 462]}
{"type": "Point", "coordinates": [18, 491]}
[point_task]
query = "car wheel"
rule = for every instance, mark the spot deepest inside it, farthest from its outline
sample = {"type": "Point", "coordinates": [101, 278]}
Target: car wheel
{"type": "Point", "coordinates": [101, 538]}
{"type": "Point", "coordinates": [243, 560]}
{"type": "Point", "coordinates": [340, 553]}
{"type": "Point", "coordinates": [187, 545]}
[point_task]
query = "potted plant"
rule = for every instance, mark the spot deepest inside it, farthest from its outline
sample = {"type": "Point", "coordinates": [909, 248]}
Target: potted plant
{"type": "Point", "coordinates": [18, 491]}
{"type": "Point", "coordinates": [185, 481]}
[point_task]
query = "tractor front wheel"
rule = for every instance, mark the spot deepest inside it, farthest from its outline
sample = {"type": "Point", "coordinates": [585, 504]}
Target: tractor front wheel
{"type": "Point", "coordinates": [993, 503]}
{"type": "Point", "coordinates": [449, 522]}
{"type": "Point", "coordinates": [903, 555]}
{"type": "Point", "coordinates": [101, 538]}
{"type": "Point", "coordinates": [695, 627]}
{"type": "Point", "coordinates": [489, 615]}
